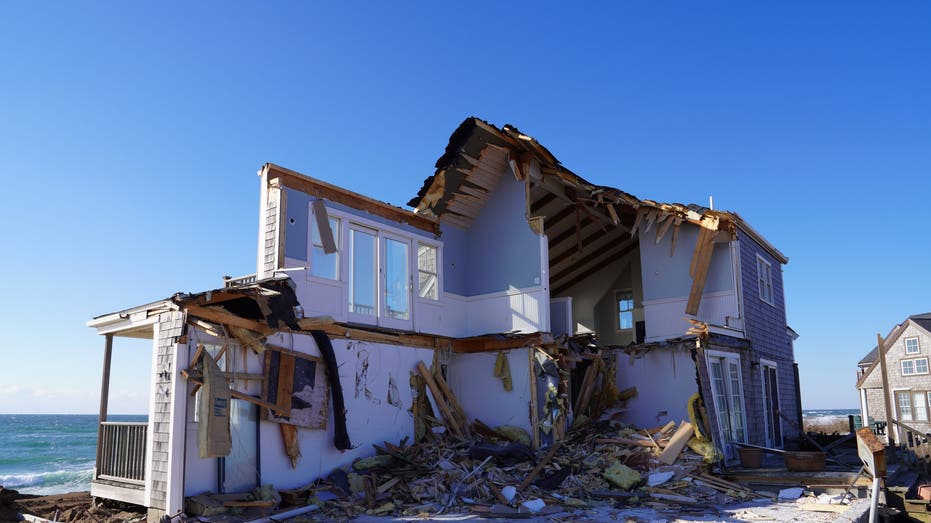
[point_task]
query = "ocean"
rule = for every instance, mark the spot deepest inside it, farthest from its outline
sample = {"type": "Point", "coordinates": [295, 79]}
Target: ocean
{"type": "Point", "coordinates": [49, 454]}
{"type": "Point", "coordinates": [828, 414]}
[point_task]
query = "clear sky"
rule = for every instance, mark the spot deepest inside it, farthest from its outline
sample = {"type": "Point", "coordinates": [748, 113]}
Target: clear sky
{"type": "Point", "coordinates": [130, 134]}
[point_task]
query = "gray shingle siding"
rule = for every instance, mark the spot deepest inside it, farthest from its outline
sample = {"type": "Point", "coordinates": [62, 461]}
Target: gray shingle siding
{"type": "Point", "coordinates": [170, 326]}
{"type": "Point", "coordinates": [765, 328]}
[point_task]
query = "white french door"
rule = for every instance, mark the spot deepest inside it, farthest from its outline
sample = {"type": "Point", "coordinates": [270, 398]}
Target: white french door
{"type": "Point", "coordinates": [727, 392]}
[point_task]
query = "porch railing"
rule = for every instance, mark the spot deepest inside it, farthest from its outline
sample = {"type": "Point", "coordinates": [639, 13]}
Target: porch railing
{"type": "Point", "coordinates": [915, 447]}
{"type": "Point", "coordinates": [121, 451]}
{"type": "Point", "coordinates": [238, 280]}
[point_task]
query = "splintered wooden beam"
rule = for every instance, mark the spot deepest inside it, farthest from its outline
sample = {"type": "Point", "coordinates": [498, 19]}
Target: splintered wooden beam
{"type": "Point", "coordinates": [701, 262]}
{"type": "Point", "coordinates": [227, 318]}
{"type": "Point", "coordinates": [453, 403]}
{"type": "Point", "coordinates": [439, 399]}
{"type": "Point", "coordinates": [491, 342]}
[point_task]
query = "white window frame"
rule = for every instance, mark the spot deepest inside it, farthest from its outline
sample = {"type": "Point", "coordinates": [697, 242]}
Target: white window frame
{"type": "Point", "coordinates": [905, 412]}
{"type": "Point", "coordinates": [348, 221]}
{"type": "Point", "coordinates": [383, 318]}
{"type": "Point", "coordinates": [617, 310]}
{"type": "Point", "coordinates": [917, 345]}
{"type": "Point", "coordinates": [914, 366]}
{"type": "Point", "coordinates": [765, 280]}
{"type": "Point", "coordinates": [416, 271]}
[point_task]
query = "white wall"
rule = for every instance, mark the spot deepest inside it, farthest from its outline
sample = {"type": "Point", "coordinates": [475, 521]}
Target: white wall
{"type": "Point", "coordinates": [482, 395]}
{"type": "Point", "coordinates": [665, 318]}
{"type": "Point", "coordinates": [665, 378]}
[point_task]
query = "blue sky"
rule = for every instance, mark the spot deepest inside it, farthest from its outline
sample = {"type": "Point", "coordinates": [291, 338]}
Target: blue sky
{"type": "Point", "coordinates": [131, 133]}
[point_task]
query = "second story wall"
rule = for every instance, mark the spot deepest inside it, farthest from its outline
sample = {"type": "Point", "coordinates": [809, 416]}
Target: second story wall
{"type": "Point", "coordinates": [763, 304]}
{"type": "Point", "coordinates": [667, 284]}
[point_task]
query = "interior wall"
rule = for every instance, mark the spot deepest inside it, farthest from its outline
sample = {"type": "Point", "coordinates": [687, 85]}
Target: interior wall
{"type": "Point", "coordinates": [666, 276]}
{"type": "Point", "coordinates": [499, 252]}
{"type": "Point", "coordinates": [593, 305]}
{"type": "Point", "coordinates": [482, 395]}
{"type": "Point", "coordinates": [665, 379]}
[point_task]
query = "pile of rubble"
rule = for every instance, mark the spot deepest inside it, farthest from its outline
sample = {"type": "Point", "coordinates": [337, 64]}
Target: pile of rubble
{"type": "Point", "coordinates": [496, 473]}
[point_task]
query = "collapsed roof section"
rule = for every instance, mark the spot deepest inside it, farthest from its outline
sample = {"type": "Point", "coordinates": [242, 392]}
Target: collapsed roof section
{"type": "Point", "coordinates": [479, 153]}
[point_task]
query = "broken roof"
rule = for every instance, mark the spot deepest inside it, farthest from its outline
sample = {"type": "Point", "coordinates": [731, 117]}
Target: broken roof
{"type": "Point", "coordinates": [479, 153]}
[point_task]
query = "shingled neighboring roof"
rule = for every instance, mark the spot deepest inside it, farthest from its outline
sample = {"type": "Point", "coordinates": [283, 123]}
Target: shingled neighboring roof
{"type": "Point", "coordinates": [478, 152]}
{"type": "Point", "coordinates": [923, 320]}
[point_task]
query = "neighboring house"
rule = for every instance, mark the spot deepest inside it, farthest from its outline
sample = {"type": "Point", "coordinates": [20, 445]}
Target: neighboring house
{"type": "Point", "coordinates": [500, 277]}
{"type": "Point", "coordinates": [908, 348]}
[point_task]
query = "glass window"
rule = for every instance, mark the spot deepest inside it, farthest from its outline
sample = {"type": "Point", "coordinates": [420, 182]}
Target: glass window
{"type": "Point", "coordinates": [324, 265]}
{"type": "Point", "coordinates": [428, 283]}
{"type": "Point", "coordinates": [397, 280]}
{"type": "Point", "coordinates": [908, 367]}
{"type": "Point", "coordinates": [921, 366]}
{"type": "Point", "coordinates": [905, 406]}
{"type": "Point", "coordinates": [736, 401]}
{"type": "Point", "coordinates": [765, 276]}
{"type": "Point", "coordinates": [625, 309]}
{"type": "Point", "coordinates": [920, 408]}
{"type": "Point", "coordinates": [911, 345]}
{"type": "Point", "coordinates": [363, 271]}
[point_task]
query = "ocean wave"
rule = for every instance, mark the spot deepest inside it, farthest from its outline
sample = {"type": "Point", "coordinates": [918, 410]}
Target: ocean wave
{"type": "Point", "coordinates": [53, 481]}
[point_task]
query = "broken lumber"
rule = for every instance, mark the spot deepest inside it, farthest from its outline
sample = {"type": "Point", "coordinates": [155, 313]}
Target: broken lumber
{"type": "Point", "coordinates": [453, 403]}
{"type": "Point", "coordinates": [677, 443]}
{"type": "Point", "coordinates": [438, 397]}
{"type": "Point", "coordinates": [539, 468]}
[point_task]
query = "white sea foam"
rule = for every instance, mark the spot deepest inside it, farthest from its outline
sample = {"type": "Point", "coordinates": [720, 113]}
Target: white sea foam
{"type": "Point", "coordinates": [48, 482]}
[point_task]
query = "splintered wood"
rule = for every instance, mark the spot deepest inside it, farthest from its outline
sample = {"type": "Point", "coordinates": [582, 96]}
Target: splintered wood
{"type": "Point", "coordinates": [701, 261]}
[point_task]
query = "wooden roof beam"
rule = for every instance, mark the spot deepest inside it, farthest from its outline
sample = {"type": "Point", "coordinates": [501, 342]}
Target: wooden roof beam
{"type": "Point", "coordinates": [326, 191]}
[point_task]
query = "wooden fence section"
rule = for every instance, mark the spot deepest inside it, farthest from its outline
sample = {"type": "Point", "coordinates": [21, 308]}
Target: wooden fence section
{"type": "Point", "coordinates": [121, 452]}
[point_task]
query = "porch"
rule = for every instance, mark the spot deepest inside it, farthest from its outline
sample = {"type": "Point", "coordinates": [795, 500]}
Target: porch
{"type": "Point", "coordinates": [120, 470]}
{"type": "Point", "coordinates": [122, 446]}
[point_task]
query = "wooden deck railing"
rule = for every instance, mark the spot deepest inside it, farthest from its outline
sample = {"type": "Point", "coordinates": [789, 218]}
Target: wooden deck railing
{"type": "Point", "coordinates": [915, 447]}
{"type": "Point", "coordinates": [121, 452]}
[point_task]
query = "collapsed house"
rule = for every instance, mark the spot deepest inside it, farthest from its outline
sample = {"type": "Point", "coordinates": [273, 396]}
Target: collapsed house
{"type": "Point", "coordinates": [515, 293]}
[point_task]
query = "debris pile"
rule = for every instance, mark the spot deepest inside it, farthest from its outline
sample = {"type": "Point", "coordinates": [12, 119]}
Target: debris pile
{"type": "Point", "coordinates": [600, 463]}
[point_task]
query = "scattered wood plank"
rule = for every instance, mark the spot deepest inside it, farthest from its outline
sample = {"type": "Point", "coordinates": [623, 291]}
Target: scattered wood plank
{"type": "Point", "coordinates": [677, 443]}
{"type": "Point", "coordinates": [262, 503]}
{"type": "Point", "coordinates": [539, 468]}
